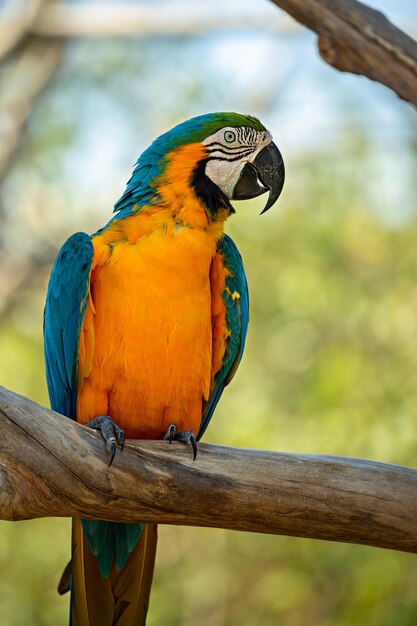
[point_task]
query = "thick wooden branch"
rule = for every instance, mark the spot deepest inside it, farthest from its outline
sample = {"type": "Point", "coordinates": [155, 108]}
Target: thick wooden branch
{"type": "Point", "coordinates": [51, 466]}
{"type": "Point", "coordinates": [355, 38]}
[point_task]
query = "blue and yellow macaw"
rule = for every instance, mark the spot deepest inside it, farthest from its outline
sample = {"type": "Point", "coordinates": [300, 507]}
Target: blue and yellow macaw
{"type": "Point", "coordinates": [145, 324]}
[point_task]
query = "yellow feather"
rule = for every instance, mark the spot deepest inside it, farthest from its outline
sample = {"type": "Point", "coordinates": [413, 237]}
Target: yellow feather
{"type": "Point", "coordinates": [148, 355]}
{"type": "Point", "coordinates": [152, 341]}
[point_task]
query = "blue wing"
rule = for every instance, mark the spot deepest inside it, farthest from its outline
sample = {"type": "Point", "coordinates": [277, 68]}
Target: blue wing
{"type": "Point", "coordinates": [66, 303]}
{"type": "Point", "coordinates": [236, 299]}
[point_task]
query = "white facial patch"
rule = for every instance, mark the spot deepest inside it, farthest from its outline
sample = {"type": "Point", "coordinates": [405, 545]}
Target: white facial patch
{"type": "Point", "coordinates": [230, 149]}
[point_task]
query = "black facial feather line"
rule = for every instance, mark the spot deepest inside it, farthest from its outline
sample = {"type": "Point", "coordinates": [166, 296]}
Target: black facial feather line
{"type": "Point", "coordinates": [208, 192]}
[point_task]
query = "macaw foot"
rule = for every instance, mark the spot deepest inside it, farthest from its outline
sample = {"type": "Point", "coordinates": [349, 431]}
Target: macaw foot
{"type": "Point", "coordinates": [187, 436]}
{"type": "Point", "coordinates": [110, 431]}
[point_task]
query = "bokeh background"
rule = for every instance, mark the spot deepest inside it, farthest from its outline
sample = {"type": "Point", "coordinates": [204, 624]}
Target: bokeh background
{"type": "Point", "coordinates": [331, 359]}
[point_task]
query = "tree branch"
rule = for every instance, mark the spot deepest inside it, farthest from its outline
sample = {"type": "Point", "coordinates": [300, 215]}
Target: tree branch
{"type": "Point", "coordinates": [352, 36]}
{"type": "Point", "coordinates": [355, 38]}
{"type": "Point", "coordinates": [51, 466]}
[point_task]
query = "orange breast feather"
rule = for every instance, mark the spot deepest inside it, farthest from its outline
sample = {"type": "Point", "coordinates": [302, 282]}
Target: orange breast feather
{"type": "Point", "coordinates": [154, 330]}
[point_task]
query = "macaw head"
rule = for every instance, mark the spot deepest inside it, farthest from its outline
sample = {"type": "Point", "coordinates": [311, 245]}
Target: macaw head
{"type": "Point", "coordinates": [221, 156]}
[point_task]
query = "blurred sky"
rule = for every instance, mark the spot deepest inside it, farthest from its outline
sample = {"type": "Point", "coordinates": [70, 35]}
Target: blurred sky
{"type": "Point", "coordinates": [301, 98]}
{"type": "Point", "coordinates": [104, 119]}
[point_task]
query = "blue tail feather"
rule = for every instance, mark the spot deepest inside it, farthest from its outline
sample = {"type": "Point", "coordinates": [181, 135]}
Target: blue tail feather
{"type": "Point", "coordinates": [111, 540]}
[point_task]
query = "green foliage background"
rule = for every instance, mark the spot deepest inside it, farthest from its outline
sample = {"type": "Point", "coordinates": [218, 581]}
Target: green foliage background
{"type": "Point", "coordinates": [330, 367]}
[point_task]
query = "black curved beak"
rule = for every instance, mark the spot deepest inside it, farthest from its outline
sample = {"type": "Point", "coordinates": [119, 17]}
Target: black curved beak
{"type": "Point", "coordinates": [265, 173]}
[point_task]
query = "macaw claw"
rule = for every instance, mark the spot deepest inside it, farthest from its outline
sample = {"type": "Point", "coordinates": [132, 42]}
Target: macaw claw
{"type": "Point", "coordinates": [187, 436]}
{"type": "Point", "coordinates": [111, 433]}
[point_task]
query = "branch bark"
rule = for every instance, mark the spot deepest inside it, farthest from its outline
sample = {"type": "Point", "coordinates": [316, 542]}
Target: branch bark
{"type": "Point", "coordinates": [352, 37]}
{"type": "Point", "coordinates": [51, 466]}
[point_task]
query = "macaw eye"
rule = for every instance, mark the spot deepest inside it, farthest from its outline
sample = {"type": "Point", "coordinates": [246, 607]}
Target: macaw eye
{"type": "Point", "coordinates": [229, 136]}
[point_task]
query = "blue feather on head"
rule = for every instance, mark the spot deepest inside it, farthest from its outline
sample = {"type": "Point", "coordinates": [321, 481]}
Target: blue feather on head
{"type": "Point", "coordinates": [151, 163]}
